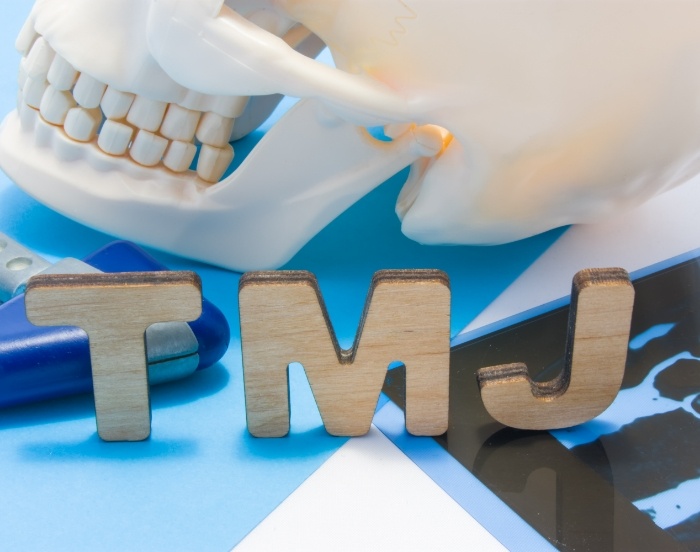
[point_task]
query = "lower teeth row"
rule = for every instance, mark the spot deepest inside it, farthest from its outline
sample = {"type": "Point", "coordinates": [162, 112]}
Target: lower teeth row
{"type": "Point", "coordinates": [149, 131]}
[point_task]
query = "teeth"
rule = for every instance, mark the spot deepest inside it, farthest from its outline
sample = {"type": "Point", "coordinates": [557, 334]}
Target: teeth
{"type": "Point", "coordinates": [62, 74]}
{"type": "Point", "coordinates": [146, 114]}
{"type": "Point", "coordinates": [214, 129]}
{"type": "Point", "coordinates": [179, 156]}
{"type": "Point", "coordinates": [123, 122]}
{"type": "Point", "coordinates": [88, 91]}
{"type": "Point", "coordinates": [115, 104]}
{"type": "Point", "coordinates": [179, 123]}
{"type": "Point", "coordinates": [213, 162]}
{"type": "Point", "coordinates": [55, 105]}
{"type": "Point", "coordinates": [114, 138]}
{"type": "Point", "coordinates": [33, 91]}
{"type": "Point", "coordinates": [82, 124]}
{"type": "Point", "coordinates": [196, 101]}
{"type": "Point", "coordinates": [39, 59]}
{"type": "Point", "coordinates": [22, 76]}
{"type": "Point", "coordinates": [148, 149]}
{"type": "Point", "coordinates": [229, 106]}
{"type": "Point", "coordinates": [26, 38]}
{"type": "Point", "coordinates": [226, 106]}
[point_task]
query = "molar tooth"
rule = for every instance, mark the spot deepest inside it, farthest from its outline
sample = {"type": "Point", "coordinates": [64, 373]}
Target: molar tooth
{"type": "Point", "coordinates": [114, 137]}
{"type": "Point", "coordinates": [62, 75]}
{"type": "Point", "coordinates": [115, 103]}
{"type": "Point", "coordinates": [213, 162]}
{"type": "Point", "coordinates": [196, 101]}
{"type": "Point", "coordinates": [146, 114]}
{"type": "Point", "coordinates": [81, 124]}
{"type": "Point", "coordinates": [55, 105]}
{"type": "Point", "coordinates": [88, 91]}
{"type": "Point", "coordinates": [214, 129]}
{"type": "Point", "coordinates": [39, 59]}
{"type": "Point", "coordinates": [33, 91]}
{"type": "Point", "coordinates": [179, 156]}
{"type": "Point", "coordinates": [26, 37]}
{"type": "Point", "coordinates": [148, 148]}
{"type": "Point", "coordinates": [229, 106]}
{"type": "Point", "coordinates": [179, 123]}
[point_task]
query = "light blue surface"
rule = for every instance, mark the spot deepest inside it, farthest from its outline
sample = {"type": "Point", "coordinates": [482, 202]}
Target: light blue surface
{"type": "Point", "coordinates": [201, 482]}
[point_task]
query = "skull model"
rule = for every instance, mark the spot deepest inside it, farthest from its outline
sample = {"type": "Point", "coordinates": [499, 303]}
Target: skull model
{"type": "Point", "coordinates": [515, 117]}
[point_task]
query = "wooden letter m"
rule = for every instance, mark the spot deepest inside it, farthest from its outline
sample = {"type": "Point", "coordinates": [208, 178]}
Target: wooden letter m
{"type": "Point", "coordinates": [284, 320]}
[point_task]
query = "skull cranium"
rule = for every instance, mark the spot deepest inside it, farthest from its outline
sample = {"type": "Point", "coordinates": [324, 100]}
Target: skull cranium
{"type": "Point", "coordinates": [515, 117]}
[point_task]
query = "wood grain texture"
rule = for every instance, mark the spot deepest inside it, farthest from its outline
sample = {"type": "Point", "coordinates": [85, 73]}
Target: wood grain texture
{"type": "Point", "coordinates": [284, 320]}
{"type": "Point", "coordinates": [115, 310]}
{"type": "Point", "coordinates": [596, 352]}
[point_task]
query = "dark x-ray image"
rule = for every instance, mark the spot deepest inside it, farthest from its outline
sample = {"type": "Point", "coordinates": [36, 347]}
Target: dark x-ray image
{"type": "Point", "coordinates": [628, 480]}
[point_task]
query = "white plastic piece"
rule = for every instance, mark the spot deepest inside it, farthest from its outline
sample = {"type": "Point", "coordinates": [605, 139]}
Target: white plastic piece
{"type": "Point", "coordinates": [62, 75]}
{"type": "Point", "coordinates": [214, 129]}
{"type": "Point", "coordinates": [26, 37]}
{"type": "Point", "coordinates": [39, 59]}
{"type": "Point", "coordinates": [511, 125]}
{"type": "Point", "coordinates": [229, 106]}
{"type": "Point", "coordinates": [88, 91]}
{"type": "Point", "coordinates": [115, 137]}
{"type": "Point", "coordinates": [115, 104]}
{"type": "Point", "coordinates": [22, 75]}
{"type": "Point", "coordinates": [81, 124]}
{"type": "Point", "coordinates": [213, 162]}
{"type": "Point", "coordinates": [147, 148]}
{"type": "Point", "coordinates": [179, 123]}
{"type": "Point", "coordinates": [146, 114]}
{"type": "Point", "coordinates": [33, 91]}
{"type": "Point", "coordinates": [55, 105]}
{"type": "Point", "coordinates": [179, 156]}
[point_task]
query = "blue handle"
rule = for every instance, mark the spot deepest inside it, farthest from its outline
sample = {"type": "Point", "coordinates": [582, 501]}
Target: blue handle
{"type": "Point", "coordinates": [38, 363]}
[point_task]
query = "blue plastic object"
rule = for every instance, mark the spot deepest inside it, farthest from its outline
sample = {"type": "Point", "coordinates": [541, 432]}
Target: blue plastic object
{"type": "Point", "coordinates": [38, 363]}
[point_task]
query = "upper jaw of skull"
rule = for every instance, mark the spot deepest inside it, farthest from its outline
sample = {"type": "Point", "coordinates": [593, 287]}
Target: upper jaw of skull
{"type": "Point", "coordinates": [166, 75]}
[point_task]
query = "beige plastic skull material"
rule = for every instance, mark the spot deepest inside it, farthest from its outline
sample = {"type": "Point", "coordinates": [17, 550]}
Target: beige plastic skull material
{"type": "Point", "coordinates": [515, 116]}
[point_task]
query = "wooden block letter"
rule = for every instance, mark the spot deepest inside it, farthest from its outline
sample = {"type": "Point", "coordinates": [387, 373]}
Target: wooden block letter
{"type": "Point", "coordinates": [284, 320]}
{"type": "Point", "coordinates": [596, 352]}
{"type": "Point", "coordinates": [115, 310]}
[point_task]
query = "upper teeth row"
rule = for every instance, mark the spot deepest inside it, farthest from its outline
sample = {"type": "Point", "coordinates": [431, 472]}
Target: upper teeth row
{"type": "Point", "coordinates": [150, 131]}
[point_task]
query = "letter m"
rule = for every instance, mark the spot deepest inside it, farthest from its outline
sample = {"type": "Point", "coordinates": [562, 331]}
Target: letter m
{"type": "Point", "coordinates": [284, 320]}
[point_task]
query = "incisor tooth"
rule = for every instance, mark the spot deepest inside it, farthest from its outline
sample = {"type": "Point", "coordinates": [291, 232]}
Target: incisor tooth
{"type": "Point", "coordinates": [26, 37]}
{"type": "Point", "coordinates": [55, 105]}
{"type": "Point", "coordinates": [214, 129]}
{"type": "Point", "coordinates": [213, 162]}
{"type": "Point", "coordinates": [179, 123]}
{"type": "Point", "coordinates": [88, 91]}
{"type": "Point", "coordinates": [22, 74]}
{"type": "Point", "coordinates": [33, 91]}
{"type": "Point", "coordinates": [147, 149]}
{"type": "Point", "coordinates": [114, 137]}
{"type": "Point", "coordinates": [179, 156]}
{"type": "Point", "coordinates": [146, 114]}
{"type": "Point", "coordinates": [82, 124]}
{"type": "Point", "coordinates": [115, 104]}
{"type": "Point", "coordinates": [39, 58]}
{"type": "Point", "coordinates": [229, 106]}
{"type": "Point", "coordinates": [62, 75]}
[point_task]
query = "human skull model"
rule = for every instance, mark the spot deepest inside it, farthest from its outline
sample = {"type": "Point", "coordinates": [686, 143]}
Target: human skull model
{"type": "Point", "coordinates": [515, 116]}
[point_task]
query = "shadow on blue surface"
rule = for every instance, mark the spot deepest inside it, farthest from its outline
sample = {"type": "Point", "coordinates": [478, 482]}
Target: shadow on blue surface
{"type": "Point", "coordinates": [301, 444]}
{"type": "Point", "coordinates": [95, 449]}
